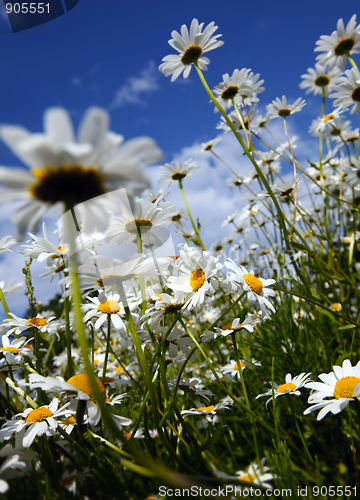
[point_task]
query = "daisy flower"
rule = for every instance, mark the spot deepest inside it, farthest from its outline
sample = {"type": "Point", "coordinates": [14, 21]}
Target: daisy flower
{"type": "Point", "coordinates": [102, 306]}
{"type": "Point", "coordinates": [252, 476]}
{"type": "Point", "coordinates": [15, 351]}
{"type": "Point", "coordinates": [145, 217]}
{"type": "Point", "coordinates": [190, 386]}
{"type": "Point", "coordinates": [190, 45]}
{"type": "Point", "coordinates": [234, 326]}
{"type": "Point", "coordinates": [8, 289]}
{"type": "Point", "coordinates": [352, 173]}
{"type": "Point", "coordinates": [242, 86]}
{"type": "Point", "coordinates": [6, 243]}
{"type": "Point", "coordinates": [325, 124]}
{"type": "Point", "coordinates": [280, 107]}
{"type": "Point", "coordinates": [14, 463]}
{"type": "Point", "coordinates": [233, 368]}
{"type": "Point", "coordinates": [199, 275]}
{"type": "Point", "coordinates": [320, 79]}
{"type": "Point", "coordinates": [65, 171]}
{"type": "Point", "coordinates": [335, 47]}
{"type": "Point", "coordinates": [36, 422]}
{"type": "Point", "coordinates": [255, 287]}
{"type": "Point", "coordinates": [207, 146]}
{"type": "Point", "coordinates": [208, 410]}
{"type": "Point", "coordinates": [347, 93]}
{"type": "Point", "coordinates": [342, 385]}
{"type": "Point", "coordinates": [177, 171]}
{"type": "Point", "coordinates": [164, 304]}
{"type": "Point", "coordinates": [291, 386]}
{"type": "Point", "coordinates": [79, 387]}
{"type": "Point", "coordinates": [18, 325]}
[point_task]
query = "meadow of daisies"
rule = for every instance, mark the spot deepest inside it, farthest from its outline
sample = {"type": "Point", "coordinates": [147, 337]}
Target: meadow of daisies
{"type": "Point", "coordinates": [161, 371]}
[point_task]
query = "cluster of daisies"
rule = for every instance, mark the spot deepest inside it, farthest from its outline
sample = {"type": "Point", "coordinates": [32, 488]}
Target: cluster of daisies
{"type": "Point", "coordinates": [179, 304]}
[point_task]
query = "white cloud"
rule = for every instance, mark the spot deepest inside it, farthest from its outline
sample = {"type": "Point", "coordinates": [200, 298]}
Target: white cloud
{"type": "Point", "coordinates": [135, 86]}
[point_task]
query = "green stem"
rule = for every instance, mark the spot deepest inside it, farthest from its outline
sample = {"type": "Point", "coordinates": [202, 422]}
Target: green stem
{"type": "Point", "coordinates": [4, 304]}
{"type": "Point", "coordinates": [200, 243]}
{"type": "Point", "coordinates": [70, 371]}
{"type": "Point", "coordinates": [107, 346]}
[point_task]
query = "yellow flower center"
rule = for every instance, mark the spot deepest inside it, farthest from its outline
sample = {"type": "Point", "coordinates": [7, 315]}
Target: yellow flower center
{"type": "Point", "coordinates": [39, 415]}
{"type": "Point", "coordinates": [254, 283]}
{"type": "Point", "coordinates": [37, 321]}
{"type": "Point", "coordinates": [70, 420]}
{"type": "Point", "coordinates": [344, 387]}
{"type": "Point", "coordinates": [71, 184]}
{"type": "Point", "coordinates": [191, 54]}
{"type": "Point", "coordinates": [242, 364]}
{"type": "Point", "coordinates": [9, 349]}
{"type": "Point", "coordinates": [127, 435]}
{"type": "Point", "coordinates": [249, 478]}
{"type": "Point", "coordinates": [227, 327]}
{"type": "Point", "coordinates": [62, 249]}
{"type": "Point", "coordinates": [207, 408]}
{"type": "Point", "coordinates": [328, 117]}
{"type": "Point", "coordinates": [82, 383]}
{"type": "Point", "coordinates": [336, 307]}
{"type": "Point", "coordinates": [109, 307]}
{"type": "Point", "coordinates": [133, 225]}
{"type": "Point", "coordinates": [119, 369]}
{"type": "Point", "coordinates": [177, 176]}
{"type": "Point", "coordinates": [197, 279]}
{"type": "Point", "coordinates": [286, 387]}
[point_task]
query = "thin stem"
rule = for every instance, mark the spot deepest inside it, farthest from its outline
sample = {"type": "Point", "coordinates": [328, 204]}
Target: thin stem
{"type": "Point", "coordinates": [4, 304]}
{"type": "Point", "coordinates": [200, 243]}
{"type": "Point", "coordinates": [107, 346]}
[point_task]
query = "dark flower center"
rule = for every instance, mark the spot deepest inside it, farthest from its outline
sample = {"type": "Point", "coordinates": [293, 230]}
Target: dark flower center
{"type": "Point", "coordinates": [177, 176]}
{"type": "Point", "coordinates": [355, 94]}
{"type": "Point", "coordinates": [345, 45]}
{"type": "Point", "coordinates": [284, 112]}
{"type": "Point", "coordinates": [230, 92]}
{"type": "Point", "coordinates": [322, 81]}
{"type": "Point", "coordinates": [191, 54]}
{"type": "Point", "coordinates": [71, 184]}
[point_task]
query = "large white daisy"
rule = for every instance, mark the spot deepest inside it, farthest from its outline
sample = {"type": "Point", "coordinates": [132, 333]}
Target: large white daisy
{"type": "Point", "coordinates": [199, 274]}
{"type": "Point", "coordinates": [335, 46]}
{"type": "Point", "coordinates": [66, 170]}
{"type": "Point", "coordinates": [342, 386]}
{"type": "Point", "coordinates": [190, 45]}
{"type": "Point", "coordinates": [347, 93]}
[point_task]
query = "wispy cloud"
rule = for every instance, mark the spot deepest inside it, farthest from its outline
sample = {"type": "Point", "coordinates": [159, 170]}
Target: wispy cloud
{"type": "Point", "coordinates": [135, 86]}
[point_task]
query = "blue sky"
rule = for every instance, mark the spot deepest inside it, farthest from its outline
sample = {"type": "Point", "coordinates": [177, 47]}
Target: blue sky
{"type": "Point", "coordinates": [106, 53]}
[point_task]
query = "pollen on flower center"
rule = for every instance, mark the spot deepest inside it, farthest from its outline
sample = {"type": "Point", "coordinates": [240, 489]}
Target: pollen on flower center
{"type": "Point", "coordinates": [109, 307]}
{"type": "Point", "coordinates": [242, 364]}
{"type": "Point", "coordinates": [254, 283]}
{"type": "Point", "coordinates": [328, 118]}
{"type": "Point", "coordinates": [9, 349]}
{"type": "Point", "coordinates": [37, 321]}
{"type": "Point", "coordinates": [355, 94]}
{"type": "Point", "coordinates": [172, 308]}
{"type": "Point", "coordinates": [249, 478]}
{"type": "Point", "coordinates": [207, 408]}
{"type": "Point", "coordinates": [82, 383]}
{"type": "Point", "coordinates": [345, 45]}
{"type": "Point", "coordinates": [197, 279]}
{"type": "Point", "coordinates": [70, 420]}
{"type": "Point", "coordinates": [230, 92]}
{"type": "Point", "coordinates": [71, 184]}
{"type": "Point", "coordinates": [39, 415]}
{"type": "Point", "coordinates": [344, 387]}
{"type": "Point", "coordinates": [322, 81]}
{"type": "Point", "coordinates": [284, 112]}
{"type": "Point", "coordinates": [191, 54]}
{"type": "Point", "coordinates": [286, 387]}
{"type": "Point", "coordinates": [143, 224]}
